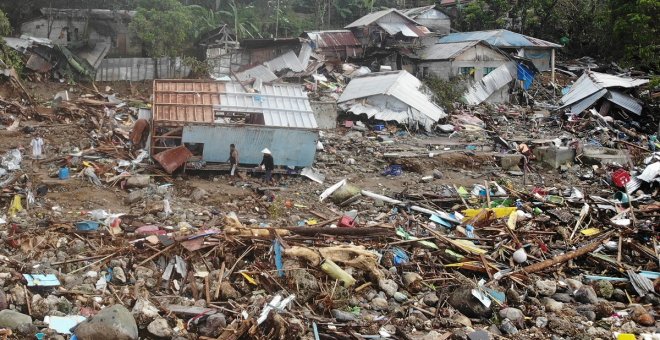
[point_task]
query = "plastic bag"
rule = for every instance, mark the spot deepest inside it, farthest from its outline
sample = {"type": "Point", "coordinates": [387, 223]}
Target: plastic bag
{"type": "Point", "coordinates": [15, 206]}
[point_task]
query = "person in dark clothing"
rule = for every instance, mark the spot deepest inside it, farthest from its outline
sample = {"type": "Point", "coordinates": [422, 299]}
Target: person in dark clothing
{"type": "Point", "coordinates": [233, 158]}
{"type": "Point", "coordinates": [268, 164]}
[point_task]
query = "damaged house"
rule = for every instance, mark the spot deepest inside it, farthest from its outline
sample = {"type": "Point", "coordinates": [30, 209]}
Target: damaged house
{"type": "Point", "coordinates": [395, 96]}
{"type": "Point", "coordinates": [431, 17]}
{"type": "Point", "coordinates": [195, 121]}
{"type": "Point", "coordinates": [540, 52]}
{"type": "Point", "coordinates": [338, 45]}
{"type": "Point", "coordinates": [101, 29]}
{"type": "Point", "coordinates": [387, 28]}
{"type": "Point", "coordinates": [470, 59]}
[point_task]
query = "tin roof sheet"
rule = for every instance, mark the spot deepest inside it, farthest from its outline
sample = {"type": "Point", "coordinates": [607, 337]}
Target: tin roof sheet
{"type": "Point", "coordinates": [625, 101]}
{"type": "Point", "coordinates": [258, 72]}
{"type": "Point", "coordinates": [490, 83]}
{"type": "Point", "coordinates": [500, 38]}
{"type": "Point", "coordinates": [282, 105]}
{"type": "Point", "coordinates": [445, 51]}
{"type": "Point", "coordinates": [333, 38]}
{"type": "Point", "coordinates": [591, 86]}
{"type": "Point", "coordinates": [399, 84]}
{"type": "Point", "coordinates": [374, 16]}
{"type": "Point", "coordinates": [286, 61]}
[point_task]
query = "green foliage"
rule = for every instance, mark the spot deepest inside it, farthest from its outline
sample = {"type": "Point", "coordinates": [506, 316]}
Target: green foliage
{"type": "Point", "coordinates": [5, 25]}
{"type": "Point", "coordinates": [7, 54]}
{"type": "Point", "coordinates": [165, 27]}
{"type": "Point", "coordinates": [446, 92]}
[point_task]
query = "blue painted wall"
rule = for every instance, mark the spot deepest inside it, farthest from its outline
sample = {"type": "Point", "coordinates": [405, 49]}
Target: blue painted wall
{"type": "Point", "coordinates": [290, 147]}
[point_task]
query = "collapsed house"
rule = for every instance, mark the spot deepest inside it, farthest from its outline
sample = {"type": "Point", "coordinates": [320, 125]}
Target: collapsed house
{"type": "Point", "coordinates": [431, 17]}
{"type": "Point", "coordinates": [395, 96]}
{"type": "Point", "coordinates": [592, 87]}
{"type": "Point", "coordinates": [195, 121]}
{"type": "Point", "coordinates": [387, 28]}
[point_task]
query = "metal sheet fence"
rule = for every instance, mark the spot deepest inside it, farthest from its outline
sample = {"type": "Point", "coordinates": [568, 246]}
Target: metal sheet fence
{"type": "Point", "coordinates": [137, 69]}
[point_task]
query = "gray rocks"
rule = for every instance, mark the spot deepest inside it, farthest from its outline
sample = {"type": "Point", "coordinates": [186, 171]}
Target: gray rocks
{"type": "Point", "coordinates": [462, 319]}
{"type": "Point", "coordinates": [410, 278]}
{"type": "Point", "coordinates": [464, 302]}
{"type": "Point", "coordinates": [573, 285]}
{"type": "Point", "coordinates": [507, 327]}
{"type": "Point", "coordinates": [430, 299]}
{"type": "Point", "coordinates": [563, 297]}
{"type": "Point", "coordinates": [213, 325]}
{"type": "Point", "coordinates": [343, 316]}
{"type": "Point", "coordinates": [228, 292]}
{"type": "Point", "coordinates": [552, 306]}
{"type": "Point", "coordinates": [134, 196]}
{"type": "Point", "coordinates": [111, 323]}
{"type": "Point", "coordinates": [541, 322]}
{"type": "Point", "coordinates": [198, 194]}
{"type": "Point", "coordinates": [400, 297]}
{"type": "Point", "coordinates": [388, 286]}
{"type": "Point", "coordinates": [379, 303]}
{"type": "Point", "coordinates": [12, 319]}
{"type": "Point", "coordinates": [513, 314]}
{"type": "Point", "coordinates": [546, 287]}
{"type": "Point", "coordinates": [118, 275]}
{"type": "Point", "coordinates": [586, 294]}
{"type": "Point", "coordinates": [159, 328]}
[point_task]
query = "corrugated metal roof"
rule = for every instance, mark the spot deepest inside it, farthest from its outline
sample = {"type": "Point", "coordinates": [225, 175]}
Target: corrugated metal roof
{"type": "Point", "coordinates": [625, 101]}
{"type": "Point", "coordinates": [610, 80]}
{"type": "Point", "coordinates": [283, 105]}
{"type": "Point", "coordinates": [373, 17]}
{"type": "Point", "coordinates": [173, 159]}
{"type": "Point", "coordinates": [334, 38]}
{"type": "Point", "coordinates": [500, 38]}
{"type": "Point", "coordinates": [414, 12]}
{"type": "Point", "coordinates": [585, 103]}
{"type": "Point", "coordinates": [490, 83]}
{"type": "Point", "coordinates": [258, 72]}
{"type": "Point", "coordinates": [445, 51]}
{"type": "Point", "coordinates": [399, 84]}
{"type": "Point", "coordinates": [407, 29]}
{"type": "Point", "coordinates": [286, 61]}
{"type": "Point", "coordinates": [182, 101]}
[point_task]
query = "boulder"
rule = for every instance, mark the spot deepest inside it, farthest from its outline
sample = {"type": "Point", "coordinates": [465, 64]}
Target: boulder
{"type": "Point", "coordinates": [12, 319]}
{"type": "Point", "coordinates": [111, 323]}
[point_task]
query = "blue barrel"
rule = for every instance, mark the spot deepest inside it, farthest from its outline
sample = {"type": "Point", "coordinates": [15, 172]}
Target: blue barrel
{"type": "Point", "coordinates": [64, 173]}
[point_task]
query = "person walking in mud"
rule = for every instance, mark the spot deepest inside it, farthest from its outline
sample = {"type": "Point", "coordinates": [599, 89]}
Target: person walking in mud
{"type": "Point", "coordinates": [268, 164]}
{"type": "Point", "coordinates": [233, 159]}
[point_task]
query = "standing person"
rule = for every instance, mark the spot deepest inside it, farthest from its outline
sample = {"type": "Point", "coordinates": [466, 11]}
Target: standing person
{"type": "Point", "coordinates": [37, 145]}
{"type": "Point", "coordinates": [268, 164]}
{"type": "Point", "coordinates": [233, 158]}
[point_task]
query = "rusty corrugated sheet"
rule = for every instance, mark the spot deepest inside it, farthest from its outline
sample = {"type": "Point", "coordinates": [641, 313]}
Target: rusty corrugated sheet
{"type": "Point", "coordinates": [334, 38]}
{"type": "Point", "coordinates": [173, 159]}
{"type": "Point", "coordinates": [185, 101]}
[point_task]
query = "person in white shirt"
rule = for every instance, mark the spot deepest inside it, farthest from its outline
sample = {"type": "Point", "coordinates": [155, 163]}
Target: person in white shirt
{"type": "Point", "coordinates": [37, 145]}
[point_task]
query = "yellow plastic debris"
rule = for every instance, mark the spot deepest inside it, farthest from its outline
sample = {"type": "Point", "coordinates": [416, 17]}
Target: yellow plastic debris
{"type": "Point", "coordinates": [626, 336]}
{"type": "Point", "coordinates": [312, 221]}
{"type": "Point", "coordinates": [249, 278]}
{"type": "Point", "coordinates": [499, 212]}
{"type": "Point", "coordinates": [468, 246]}
{"type": "Point", "coordinates": [15, 206]}
{"type": "Point", "coordinates": [590, 232]}
{"type": "Point", "coordinates": [513, 219]}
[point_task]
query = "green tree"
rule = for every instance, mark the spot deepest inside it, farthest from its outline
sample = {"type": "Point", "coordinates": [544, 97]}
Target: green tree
{"type": "Point", "coordinates": [635, 26]}
{"type": "Point", "coordinates": [5, 25]}
{"type": "Point", "coordinates": [241, 19]}
{"type": "Point", "coordinates": [165, 27]}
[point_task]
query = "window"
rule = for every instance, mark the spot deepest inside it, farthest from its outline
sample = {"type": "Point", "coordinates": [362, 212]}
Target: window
{"type": "Point", "coordinates": [466, 71]}
{"type": "Point", "coordinates": [489, 70]}
{"type": "Point", "coordinates": [425, 72]}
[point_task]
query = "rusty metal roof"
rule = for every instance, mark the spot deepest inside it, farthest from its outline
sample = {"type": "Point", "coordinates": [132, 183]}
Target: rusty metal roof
{"type": "Point", "coordinates": [173, 159]}
{"type": "Point", "coordinates": [333, 38]}
{"type": "Point", "coordinates": [185, 101]}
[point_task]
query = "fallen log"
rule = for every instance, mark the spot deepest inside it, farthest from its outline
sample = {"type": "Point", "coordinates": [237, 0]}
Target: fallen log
{"type": "Point", "coordinates": [562, 258]}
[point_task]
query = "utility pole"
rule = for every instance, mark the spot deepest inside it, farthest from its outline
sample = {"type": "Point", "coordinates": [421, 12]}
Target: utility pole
{"type": "Point", "coordinates": [277, 20]}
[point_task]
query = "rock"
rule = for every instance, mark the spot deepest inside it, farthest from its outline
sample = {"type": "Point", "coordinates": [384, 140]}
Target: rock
{"type": "Point", "coordinates": [410, 278]}
{"type": "Point", "coordinates": [144, 310]}
{"type": "Point", "coordinates": [3, 300]}
{"type": "Point", "coordinates": [388, 286]}
{"type": "Point", "coordinates": [603, 309]}
{"type": "Point", "coordinates": [604, 289]}
{"type": "Point", "coordinates": [138, 181]}
{"type": "Point", "coordinates": [400, 297]}
{"type": "Point", "coordinates": [552, 305]}
{"type": "Point", "coordinates": [213, 325]}
{"type": "Point", "coordinates": [479, 335]}
{"type": "Point", "coordinates": [432, 335]}
{"type": "Point", "coordinates": [198, 194]}
{"type": "Point", "coordinates": [12, 319]}
{"type": "Point", "coordinates": [462, 319]}
{"type": "Point", "coordinates": [118, 275]}
{"type": "Point", "coordinates": [111, 323]}
{"type": "Point", "coordinates": [228, 292]}
{"type": "Point", "coordinates": [563, 297]}
{"type": "Point", "coordinates": [587, 312]}
{"type": "Point", "coordinates": [462, 299]}
{"type": "Point", "coordinates": [343, 316]}
{"type": "Point", "coordinates": [493, 329]}
{"type": "Point", "coordinates": [438, 174]}
{"type": "Point", "coordinates": [507, 327]}
{"type": "Point", "coordinates": [586, 294]}
{"type": "Point", "coordinates": [573, 285]}
{"type": "Point", "coordinates": [431, 299]}
{"type": "Point", "coordinates": [134, 196]}
{"type": "Point", "coordinates": [159, 328]}
{"type": "Point", "coordinates": [641, 316]}
{"type": "Point", "coordinates": [546, 287]}
{"type": "Point", "coordinates": [541, 322]}
{"type": "Point", "coordinates": [619, 295]}
{"type": "Point", "coordinates": [379, 303]}
{"type": "Point", "coordinates": [27, 330]}
{"type": "Point", "coordinates": [513, 314]}
{"type": "Point", "coordinates": [513, 296]}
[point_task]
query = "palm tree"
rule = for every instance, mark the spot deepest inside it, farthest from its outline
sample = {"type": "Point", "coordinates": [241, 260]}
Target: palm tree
{"type": "Point", "coordinates": [242, 27]}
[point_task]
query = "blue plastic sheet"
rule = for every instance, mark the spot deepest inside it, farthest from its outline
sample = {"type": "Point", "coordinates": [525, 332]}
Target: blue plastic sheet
{"type": "Point", "coordinates": [526, 75]}
{"type": "Point", "coordinates": [279, 264]}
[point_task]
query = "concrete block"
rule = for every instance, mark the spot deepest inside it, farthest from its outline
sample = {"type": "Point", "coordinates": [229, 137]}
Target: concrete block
{"type": "Point", "coordinates": [604, 156]}
{"type": "Point", "coordinates": [554, 156]}
{"type": "Point", "coordinates": [509, 162]}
